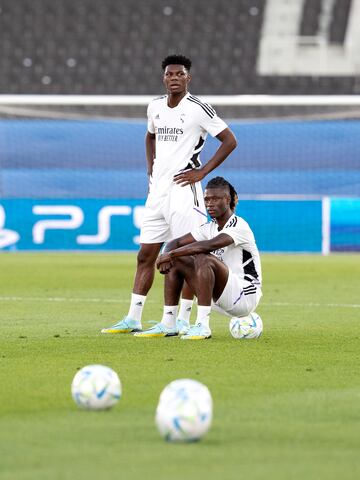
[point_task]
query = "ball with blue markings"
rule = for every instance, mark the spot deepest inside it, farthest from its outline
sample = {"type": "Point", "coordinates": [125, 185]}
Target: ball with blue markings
{"type": "Point", "coordinates": [96, 387]}
{"type": "Point", "coordinates": [184, 412]}
{"type": "Point", "coordinates": [247, 327]}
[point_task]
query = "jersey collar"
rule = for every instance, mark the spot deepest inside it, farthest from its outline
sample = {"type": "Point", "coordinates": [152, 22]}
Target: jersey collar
{"type": "Point", "coordinates": [227, 223]}
{"type": "Point", "coordinates": [184, 97]}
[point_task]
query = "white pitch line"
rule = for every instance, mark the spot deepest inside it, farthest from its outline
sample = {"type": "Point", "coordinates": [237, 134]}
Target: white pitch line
{"type": "Point", "coordinates": [114, 300]}
{"type": "Point", "coordinates": [61, 299]}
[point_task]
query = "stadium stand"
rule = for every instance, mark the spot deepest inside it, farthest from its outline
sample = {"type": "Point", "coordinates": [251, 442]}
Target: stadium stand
{"type": "Point", "coordinates": [310, 18]}
{"type": "Point", "coordinates": [339, 21]}
{"type": "Point", "coordinates": [115, 47]}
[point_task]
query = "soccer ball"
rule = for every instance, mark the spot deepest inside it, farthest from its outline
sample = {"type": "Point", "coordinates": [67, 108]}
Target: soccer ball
{"type": "Point", "coordinates": [96, 387]}
{"type": "Point", "coordinates": [184, 412]}
{"type": "Point", "coordinates": [250, 326]}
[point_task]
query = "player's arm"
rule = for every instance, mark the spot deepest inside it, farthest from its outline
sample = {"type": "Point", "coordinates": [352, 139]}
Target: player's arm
{"type": "Point", "coordinates": [179, 242]}
{"type": "Point", "coordinates": [228, 144]}
{"type": "Point", "coordinates": [202, 246]}
{"type": "Point", "coordinates": [164, 262]}
{"type": "Point", "coordinates": [150, 151]}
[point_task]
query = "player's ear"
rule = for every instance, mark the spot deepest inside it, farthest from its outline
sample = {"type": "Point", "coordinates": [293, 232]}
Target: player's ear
{"type": "Point", "coordinates": [188, 78]}
{"type": "Point", "coordinates": [236, 199]}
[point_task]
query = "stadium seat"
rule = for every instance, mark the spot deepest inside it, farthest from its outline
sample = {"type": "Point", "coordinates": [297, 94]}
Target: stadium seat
{"type": "Point", "coordinates": [113, 47]}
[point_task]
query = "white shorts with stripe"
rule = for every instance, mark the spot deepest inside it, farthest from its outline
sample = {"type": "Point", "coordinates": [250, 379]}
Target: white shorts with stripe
{"type": "Point", "coordinates": [239, 297]}
{"type": "Point", "coordinates": [173, 214]}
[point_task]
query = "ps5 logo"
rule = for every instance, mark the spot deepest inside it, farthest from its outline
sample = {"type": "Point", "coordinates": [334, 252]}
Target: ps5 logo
{"type": "Point", "coordinates": [7, 237]}
{"type": "Point", "coordinates": [89, 223]}
{"type": "Point", "coordinates": [75, 220]}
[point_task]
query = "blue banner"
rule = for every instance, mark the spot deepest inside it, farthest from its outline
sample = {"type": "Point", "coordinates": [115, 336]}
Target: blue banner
{"type": "Point", "coordinates": [345, 224]}
{"type": "Point", "coordinates": [93, 224]}
{"type": "Point", "coordinates": [70, 225]}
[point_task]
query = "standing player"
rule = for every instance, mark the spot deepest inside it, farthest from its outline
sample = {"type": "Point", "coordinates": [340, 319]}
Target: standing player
{"type": "Point", "coordinates": [219, 260]}
{"type": "Point", "coordinates": [178, 124]}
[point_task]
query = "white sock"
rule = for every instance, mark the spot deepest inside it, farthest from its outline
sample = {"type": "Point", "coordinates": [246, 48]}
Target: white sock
{"type": "Point", "coordinates": [136, 306]}
{"type": "Point", "coordinates": [169, 316]}
{"type": "Point", "coordinates": [203, 315]}
{"type": "Point", "coordinates": [185, 309]}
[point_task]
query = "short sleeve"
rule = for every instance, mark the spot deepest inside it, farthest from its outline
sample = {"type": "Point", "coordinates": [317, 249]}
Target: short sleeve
{"type": "Point", "coordinates": [240, 234]}
{"type": "Point", "coordinates": [211, 122]}
{"type": "Point", "coordinates": [150, 123]}
{"type": "Point", "coordinates": [201, 233]}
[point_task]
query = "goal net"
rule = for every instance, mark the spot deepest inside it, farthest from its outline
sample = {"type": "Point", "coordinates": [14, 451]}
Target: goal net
{"type": "Point", "coordinates": [73, 176]}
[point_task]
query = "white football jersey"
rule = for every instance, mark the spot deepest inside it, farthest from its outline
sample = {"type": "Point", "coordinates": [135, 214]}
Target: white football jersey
{"type": "Point", "coordinates": [180, 136]}
{"type": "Point", "coordinates": [242, 257]}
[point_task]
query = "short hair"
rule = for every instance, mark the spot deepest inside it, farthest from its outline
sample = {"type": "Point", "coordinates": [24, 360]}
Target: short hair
{"type": "Point", "coordinates": [176, 60]}
{"type": "Point", "coordinates": [220, 182]}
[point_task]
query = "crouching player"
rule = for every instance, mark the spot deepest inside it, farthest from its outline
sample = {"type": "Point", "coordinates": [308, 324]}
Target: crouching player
{"type": "Point", "coordinates": [219, 260]}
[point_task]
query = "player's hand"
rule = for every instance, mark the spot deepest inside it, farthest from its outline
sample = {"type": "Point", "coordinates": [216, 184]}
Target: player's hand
{"type": "Point", "coordinates": [165, 268]}
{"type": "Point", "coordinates": [188, 177]}
{"type": "Point", "coordinates": [164, 263]}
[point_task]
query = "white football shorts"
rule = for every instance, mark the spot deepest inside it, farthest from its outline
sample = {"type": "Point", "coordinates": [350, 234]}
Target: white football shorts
{"type": "Point", "coordinates": [173, 214]}
{"type": "Point", "coordinates": [239, 298]}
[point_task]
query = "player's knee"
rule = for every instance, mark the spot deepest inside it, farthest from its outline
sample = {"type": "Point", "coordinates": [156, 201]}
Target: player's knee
{"type": "Point", "coordinates": [180, 264]}
{"type": "Point", "coordinates": [146, 256]}
{"type": "Point", "coordinates": [202, 260]}
{"type": "Point", "coordinates": [179, 261]}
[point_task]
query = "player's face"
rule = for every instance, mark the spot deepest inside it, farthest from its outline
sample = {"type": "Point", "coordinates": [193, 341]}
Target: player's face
{"type": "Point", "coordinates": [176, 79]}
{"type": "Point", "coordinates": [217, 201]}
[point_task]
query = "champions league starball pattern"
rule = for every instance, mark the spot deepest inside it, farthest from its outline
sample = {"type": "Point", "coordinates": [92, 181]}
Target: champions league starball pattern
{"type": "Point", "coordinates": [247, 327]}
{"type": "Point", "coordinates": [96, 387]}
{"type": "Point", "coordinates": [184, 412]}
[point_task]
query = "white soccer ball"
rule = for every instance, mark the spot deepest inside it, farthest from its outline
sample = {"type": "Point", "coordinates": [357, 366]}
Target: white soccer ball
{"type": "Point", "coordinates": [184, 412]}
{"type": "Point", "coordinates": [96, 387]}
{"type": "Point", "coordinates": [250, 326]}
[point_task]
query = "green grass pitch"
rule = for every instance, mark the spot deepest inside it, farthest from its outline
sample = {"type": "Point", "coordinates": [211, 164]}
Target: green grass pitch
{"type": "Point", "coordinates": [286, 406]}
